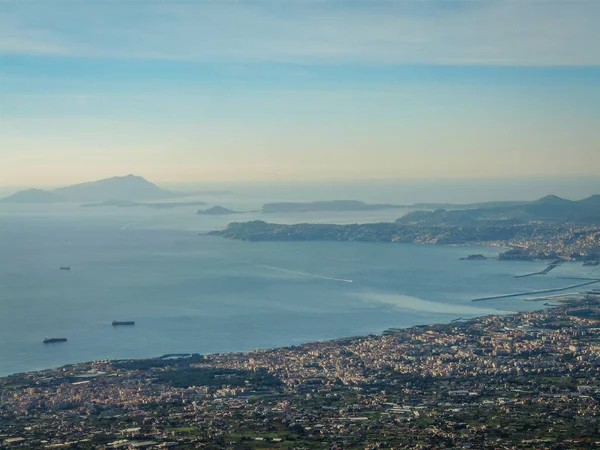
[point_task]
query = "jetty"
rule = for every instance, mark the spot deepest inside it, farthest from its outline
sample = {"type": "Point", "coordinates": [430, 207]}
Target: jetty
{"type": "Point", "coordinates": [545, 291]}
{"type": "Point", "coordinates": [553, 265]}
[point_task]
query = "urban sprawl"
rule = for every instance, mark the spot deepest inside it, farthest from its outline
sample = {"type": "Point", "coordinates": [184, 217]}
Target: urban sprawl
{"type": "Point", "coordinates": [527, 380]}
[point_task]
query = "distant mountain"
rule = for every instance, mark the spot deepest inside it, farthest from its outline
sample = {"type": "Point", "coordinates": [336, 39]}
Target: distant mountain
{"type": "Point", "coordinates": [331, 205]}
{"type": "Point", "coordinates": [593, 201]}
{"type": "Point", "coordinates": [217, 211]}
{"type": "Point", "coordinates": [31, 196]}
{"type": "Point", "coordinates": [549, 208]}
{"type": "Point", "coordinates": [552, 200]}
{"type": "Point", "coordinates": [127, 188]}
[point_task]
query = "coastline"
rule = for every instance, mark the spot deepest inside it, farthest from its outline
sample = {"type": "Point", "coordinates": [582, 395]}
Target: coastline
{"type": "Point", "coordinates": [467, 381]}
{"type": "Point", "coordinates": [572, 297]}
{"type": "Point", "coordinates": [78, 342]}
{"type": "Point", "coordinates": [500, 311]}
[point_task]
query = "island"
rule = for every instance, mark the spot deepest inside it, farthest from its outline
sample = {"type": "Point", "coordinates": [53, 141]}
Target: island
{"type": "Point", "coordinates": [526, 380]}
{"type": "Point", "coordinates": [217, 211]}
{"type": "Point", "coordinates": [125, 188]}
{"type": "Point", "coordinates": [550, 207]}
{"type": "Point", "coordinates": [477, 257]}
{"type": "Point", "coordinates": [330, 205]}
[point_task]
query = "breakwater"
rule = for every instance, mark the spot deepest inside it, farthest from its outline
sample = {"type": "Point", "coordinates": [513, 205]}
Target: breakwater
{"type": "Point", "coordinates": [545, 291]}
{"type": "Point", "coordinates": [543, 272]}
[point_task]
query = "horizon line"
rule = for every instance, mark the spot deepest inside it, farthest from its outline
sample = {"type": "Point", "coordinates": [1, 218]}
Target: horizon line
{"type": "Point", "coordinates": [336, 180]}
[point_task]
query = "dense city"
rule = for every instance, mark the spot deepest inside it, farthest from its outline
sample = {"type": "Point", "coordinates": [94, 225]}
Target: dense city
{"type": "Point", "coordinates": [526, 380]}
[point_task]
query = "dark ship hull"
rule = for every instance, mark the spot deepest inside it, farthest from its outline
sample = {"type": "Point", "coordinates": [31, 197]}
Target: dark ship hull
{"type": "Point", "coordinates": [51, 340]}
{"type": "Point", "coordinates": [116, 323]}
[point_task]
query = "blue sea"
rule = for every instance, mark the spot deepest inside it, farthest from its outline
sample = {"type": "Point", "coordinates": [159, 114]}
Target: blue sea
{"type": "Point", "coordinates": [193, 293]}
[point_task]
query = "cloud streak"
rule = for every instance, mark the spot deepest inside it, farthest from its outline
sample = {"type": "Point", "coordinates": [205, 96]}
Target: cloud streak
{"type": "Point", "coordinates": [503, 32]}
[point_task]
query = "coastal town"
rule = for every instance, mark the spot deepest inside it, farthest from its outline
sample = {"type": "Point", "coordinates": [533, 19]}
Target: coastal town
{"type": "Point", "coordinates": [525, 380]}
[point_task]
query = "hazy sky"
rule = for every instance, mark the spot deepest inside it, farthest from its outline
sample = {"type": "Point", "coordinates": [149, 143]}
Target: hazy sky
{"type": "Point", "coordinates": [257, 90]}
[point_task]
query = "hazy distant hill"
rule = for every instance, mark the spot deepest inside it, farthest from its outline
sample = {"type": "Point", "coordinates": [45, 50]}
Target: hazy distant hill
{"type": "Point", "coordinates": [127, 188]}
{"type": "Point", "coordinates": [31, 196]}
{"type": "Point", "coordinates": [552, 200]}
{"type": "Point", "coordinates": [549, 208]}
{"type": "Point", "coordinates": [592, 201]}
{"type": "Point", "coordinates": [216, 211]}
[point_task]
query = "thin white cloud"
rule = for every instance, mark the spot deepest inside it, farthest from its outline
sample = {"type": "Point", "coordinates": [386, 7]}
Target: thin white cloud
{"type": "Point", "coordinates": [488, 32]}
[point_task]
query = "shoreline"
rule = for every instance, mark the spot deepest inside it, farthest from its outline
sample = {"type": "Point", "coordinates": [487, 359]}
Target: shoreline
{"type": "Point", "coordinates": [466, 381]}
{"type": "Point", "coordinates": [387, 331]}
{"type": "Point", "coordinates": [500, 312]}
{"type": "Point", "coordinates": [484, 245]}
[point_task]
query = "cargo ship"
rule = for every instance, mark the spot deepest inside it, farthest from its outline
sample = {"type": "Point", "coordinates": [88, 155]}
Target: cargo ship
{"type": "Point", "coordinates": [51, 340]}
{"type": "Point", "coordinates": [65, 268]}
{"type": "Point", "coordinates": [122, 322]}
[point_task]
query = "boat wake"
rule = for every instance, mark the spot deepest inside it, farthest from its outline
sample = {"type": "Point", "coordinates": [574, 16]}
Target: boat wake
{"type": "Point", "coordinates": [305, 274]}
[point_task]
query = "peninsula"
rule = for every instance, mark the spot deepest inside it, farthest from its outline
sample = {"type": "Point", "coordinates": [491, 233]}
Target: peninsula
{"type": "Point", "coordinates": [548, 228]}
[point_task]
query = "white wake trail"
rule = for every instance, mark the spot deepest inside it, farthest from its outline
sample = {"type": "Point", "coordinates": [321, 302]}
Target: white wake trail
{"type": "Point", "coordinates": [312, 275]}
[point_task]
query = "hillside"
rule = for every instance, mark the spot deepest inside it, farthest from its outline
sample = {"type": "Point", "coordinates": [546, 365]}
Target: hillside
{"type": "Point", "coordinates": [549, 208]}
{"type": "Point", "coordinates": [31, 196]}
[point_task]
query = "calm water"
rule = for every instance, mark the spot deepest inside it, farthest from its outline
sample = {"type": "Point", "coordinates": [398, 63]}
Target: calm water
{"type": "Point", "coordinates": [191, 293]}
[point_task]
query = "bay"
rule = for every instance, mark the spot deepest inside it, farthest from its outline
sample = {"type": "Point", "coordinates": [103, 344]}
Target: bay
{"type": "Point", "coordinates": [192, 293]}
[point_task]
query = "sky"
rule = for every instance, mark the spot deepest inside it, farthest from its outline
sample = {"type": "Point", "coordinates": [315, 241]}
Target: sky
{"type": "Point", "coordinates": [248, 90]}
